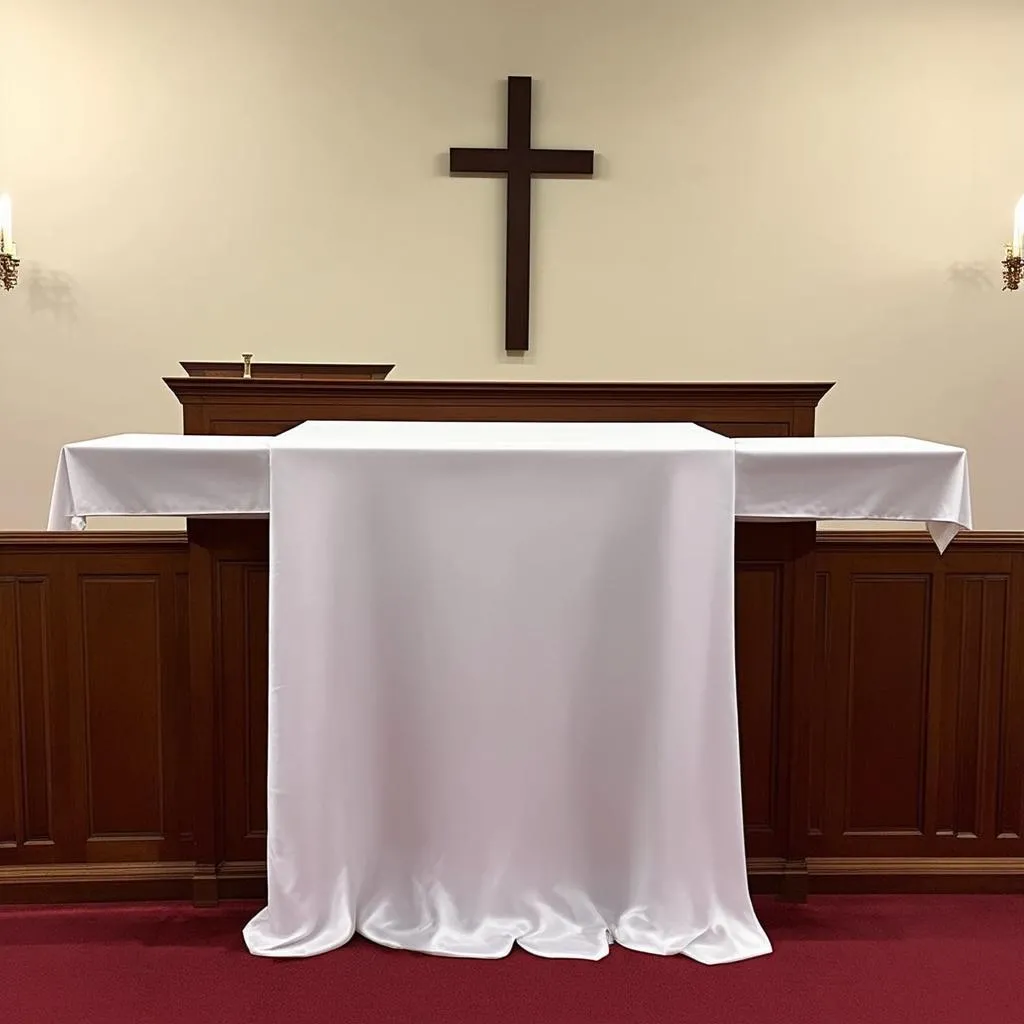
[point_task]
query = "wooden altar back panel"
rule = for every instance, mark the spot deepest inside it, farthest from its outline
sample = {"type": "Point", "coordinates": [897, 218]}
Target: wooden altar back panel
{"type": "Point", "coordinates": [234, 406]}
{"type": "Point", "coordinates": [230, 632]}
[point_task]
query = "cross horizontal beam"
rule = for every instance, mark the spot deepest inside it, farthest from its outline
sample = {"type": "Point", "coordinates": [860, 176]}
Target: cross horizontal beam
{"type": "Point", "coordinates": [519, 163]}
{"type": "Point", "coordinates": [536, 162]}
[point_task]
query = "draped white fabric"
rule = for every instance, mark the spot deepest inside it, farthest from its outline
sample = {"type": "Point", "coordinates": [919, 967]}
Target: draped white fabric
{"type": "Point", "coordinates": [502, 703]}
{"type": "Point", "coordinates": [887, 478]}
{"type": "Point", "coordinates": [160, 475]}
{"type": "Point", "coordinates": [502, 692]}
{"type": "Point", "coordinates": [892, 478]}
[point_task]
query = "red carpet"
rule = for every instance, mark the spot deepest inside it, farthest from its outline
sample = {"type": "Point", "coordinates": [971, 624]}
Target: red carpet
{"type": "Point", "coordinates": [838, 960]}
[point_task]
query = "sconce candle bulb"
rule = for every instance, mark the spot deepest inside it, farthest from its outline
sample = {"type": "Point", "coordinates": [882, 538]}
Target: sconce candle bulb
{"type": "Point", "coordinates": [1018, 229]}
{"type": "Point", "coordinates": [1013, 264]}
{"type": "Point", "coordinates": [8, 250]}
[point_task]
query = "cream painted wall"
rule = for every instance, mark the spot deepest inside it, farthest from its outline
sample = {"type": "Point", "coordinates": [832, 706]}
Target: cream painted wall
{"type": "Point", "coordinates": [801, 189]}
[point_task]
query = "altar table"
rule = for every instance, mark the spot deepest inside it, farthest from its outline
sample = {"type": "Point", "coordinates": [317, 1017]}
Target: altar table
{"type": "Point", "coordinates": [534, 736]}
{"type": "Point", "coordinates": [778, 478]}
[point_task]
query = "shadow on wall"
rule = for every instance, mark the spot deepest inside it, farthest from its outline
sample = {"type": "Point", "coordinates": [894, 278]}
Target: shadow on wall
{"type": "Point", "coordinates": [970, 277]}
{"type": "Point", "coordinates": [51, 292]}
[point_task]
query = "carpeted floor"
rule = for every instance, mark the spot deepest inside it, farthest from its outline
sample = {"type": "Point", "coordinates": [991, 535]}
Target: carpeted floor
{"type": "Point", "coordinates": [838, 960]}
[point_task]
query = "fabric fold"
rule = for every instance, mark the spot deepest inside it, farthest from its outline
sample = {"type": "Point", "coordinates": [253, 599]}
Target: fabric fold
{"type": "Point", "coordinates": [503, 692]}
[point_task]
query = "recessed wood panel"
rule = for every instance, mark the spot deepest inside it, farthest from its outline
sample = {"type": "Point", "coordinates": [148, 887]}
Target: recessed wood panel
{"type": "Point", "coordinates": [34, 676]}
{"type": "Point", "coordinates": [1009, 797]}
{"type": "Point", "coordinates": [243, 614]}
{"type": "Point", "coordinates": [817, 712]}
{"type": "Point", "coordinates": [10, 718]}
{"type": "Point", "coordinates": [886, 705]}
{"type": "Point", "coordinates": [180, 694]}
{"type": "Point", "coordinates": [974, 692]}
{"type": "Point", "coordinates": [123, 675]}
{"type": "Point", "coordinates": [758, 663]}
{"type": "Point", "coordinates": [257, 602]}
{"type": "Point", "coordinates": [26, 776]}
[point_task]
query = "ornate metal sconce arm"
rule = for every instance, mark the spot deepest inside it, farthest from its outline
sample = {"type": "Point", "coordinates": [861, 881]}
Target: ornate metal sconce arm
{"type": "Point", "coordinates": [1012, 269]}
{"type": "Point", "coordinates": [8, 271]}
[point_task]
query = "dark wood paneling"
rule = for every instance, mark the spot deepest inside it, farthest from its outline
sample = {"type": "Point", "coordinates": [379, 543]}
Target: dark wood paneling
{"type": "Point", "coordinates": [235, 555]}
{"type": "Point", "coordinates": [30, 722]}
{"type": "Point", "coordinates": [243, 611]}
{"type": "Point", "coordinates": [759, 666]}
{"type": "Point", "coordinates": [817, 733]}
{"type": "Point", "coordinates": [94, 716]}
{"type": "Point", "coordinates": [914, 740]}
{"type": "Point", "coordinates": [122, 683]}
{"type": "Point", "coordinates": [974, 670]}
{"type": "Point", "coordinates": [26, 776]}
{"type": "Point", "coordinates": [919, 738]}
{"type": "Point", "coordinates": [12, 767]}
{"type": "Point", "coordinates": [33, 609]}
{"type": "Point", "coordinates": [884, 726]}
{"type": "Point", "coordinates": [213, 405]}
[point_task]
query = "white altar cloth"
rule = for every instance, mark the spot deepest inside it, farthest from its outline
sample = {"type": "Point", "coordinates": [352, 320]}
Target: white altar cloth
{"type": "Point", "coordinates": [419, 622]}
{"type": "Point", "coordinates": [890, 478]}
{"type": "Point", "coordinates": [502, 692]}
{"type": "Point", "coordinates": [160, 475]}
{"type": "Point", "coordinates": [885, 478]}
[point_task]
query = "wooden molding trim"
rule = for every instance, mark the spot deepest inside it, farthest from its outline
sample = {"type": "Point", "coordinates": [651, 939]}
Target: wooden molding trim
{"type": "Point", "coordinates": [923, 875]}
{"type": "Point", "coordinates": [95, 883]}
{"type": "Point", "coordinates": [107, 541]}
{"type": "Point", "coordinates": [831, 540]}
{"type": "Point", "coordinates": [835, 541]}
{"type": "Point", "coordinates": [831, 866]}
{"type": "Point", "coordinates": [194, 389]}
{"type": "Point", "coordinates": [24, 874]}
{"type": "Point", "coordinates": [247, 880]}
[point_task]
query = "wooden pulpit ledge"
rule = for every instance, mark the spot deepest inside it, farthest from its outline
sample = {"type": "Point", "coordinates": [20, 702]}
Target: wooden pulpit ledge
{"type": "Point", "coordinates": [228, 591]}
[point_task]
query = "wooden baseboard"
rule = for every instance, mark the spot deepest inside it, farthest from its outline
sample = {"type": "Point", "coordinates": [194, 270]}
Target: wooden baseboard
{"type": "Point", "coordinates": [90, 883]}
{"type": "Point", "coordinates": [916, 875]}
{"type": "Point", "coordinates": [247, 880]}
{"type": "Point", "coordinates": [242, 880]}
{"type": "Point", "coordinates": [777, 877]}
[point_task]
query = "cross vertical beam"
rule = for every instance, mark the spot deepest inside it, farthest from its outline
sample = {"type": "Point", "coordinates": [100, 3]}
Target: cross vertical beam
{"type": "Point", "coordinates": [519, 163]}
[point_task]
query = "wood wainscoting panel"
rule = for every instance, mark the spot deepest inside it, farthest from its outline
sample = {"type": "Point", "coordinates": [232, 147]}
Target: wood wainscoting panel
{"type": "Point", "coordinates": [126, 774]}
{"type": "Point", "coordinates": [758, 668]}
{"type": "Point", "coordinates": [243, 609]}
{"type": "Point", "coordinates": [919, 732]}
{"type": "Point", "coordinates": [880, 767]}
{"type": "Point", "coordinates": [26, 763]}
{"type": "Point", "coordinates": [974, 694]}
{"type": "Point", "coordinates": [124, 766]}
{"type": "Point", "coordinates": [94, 740]}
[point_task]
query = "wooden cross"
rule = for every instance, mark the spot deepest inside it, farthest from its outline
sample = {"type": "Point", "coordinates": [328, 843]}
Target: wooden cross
{"type": "Point", "coordinates": [519, 162]}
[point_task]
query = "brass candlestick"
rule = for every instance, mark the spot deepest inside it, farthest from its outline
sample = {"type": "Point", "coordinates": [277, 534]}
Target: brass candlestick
{"type": "Point", "coordinates": [247, 365]}
{"type": "Point", "coordinates": [1013, 266]}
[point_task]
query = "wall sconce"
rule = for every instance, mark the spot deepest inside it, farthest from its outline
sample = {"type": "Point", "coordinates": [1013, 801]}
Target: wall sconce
{"type": "Point", "coordinates": [8, 250]}
{"type": "Point", "coordinates": [1013, 265]}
